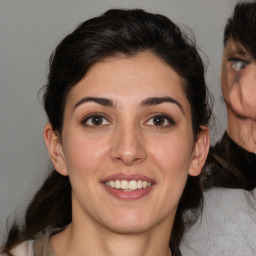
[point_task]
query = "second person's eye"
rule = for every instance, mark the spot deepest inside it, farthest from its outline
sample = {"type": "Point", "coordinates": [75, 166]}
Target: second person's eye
{"type": "Point", "coordinates": [238, 65]}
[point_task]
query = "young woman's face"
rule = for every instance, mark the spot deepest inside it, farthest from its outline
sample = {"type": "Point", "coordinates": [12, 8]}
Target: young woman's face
{"type": "Point", "coordinates": [127, 144]}
{"type": "Point", "coordinates": [239, 80]}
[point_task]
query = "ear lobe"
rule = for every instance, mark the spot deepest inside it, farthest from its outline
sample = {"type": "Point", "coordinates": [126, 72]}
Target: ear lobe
{"type": "Point", "coordinates": [200, 153]}
{"type": "Point", "coordinates": [55, 150]}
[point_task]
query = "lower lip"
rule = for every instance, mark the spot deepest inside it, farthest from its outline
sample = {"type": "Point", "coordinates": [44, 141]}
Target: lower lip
{"type": "Point", "coordinates": [128, 195]}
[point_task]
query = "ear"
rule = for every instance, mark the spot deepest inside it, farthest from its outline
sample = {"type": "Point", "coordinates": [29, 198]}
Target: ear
{"type": "Point", "coordinates": [200, 152]}
{"type": "Point", "coordinates": [55, 149]}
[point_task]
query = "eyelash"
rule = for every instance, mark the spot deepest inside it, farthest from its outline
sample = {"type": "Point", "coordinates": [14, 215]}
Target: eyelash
{"type": "Point", "coordinates": [170, 121]}
{"type": "Point", "coordinates": [85, 120]}
{"type": "Point", "coordinates": [240, 62]}
{"type": "Point", "coordinates": [163, 117]}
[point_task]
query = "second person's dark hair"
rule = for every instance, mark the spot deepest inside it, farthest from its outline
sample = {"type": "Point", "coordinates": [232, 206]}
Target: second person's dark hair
{"type": "Point", "coordinates": [241, 27]}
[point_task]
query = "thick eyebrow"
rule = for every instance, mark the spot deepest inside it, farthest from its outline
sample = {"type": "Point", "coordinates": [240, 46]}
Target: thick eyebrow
{"type": "Point", "coordinates": [159, 100]}
{"type": "Point", "coordinates": [237, 51]}
{"type": "Point", "coordinates": [101, 101]}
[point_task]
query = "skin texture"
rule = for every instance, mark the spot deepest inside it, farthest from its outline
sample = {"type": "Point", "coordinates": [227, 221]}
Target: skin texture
{"type": "Point", "coordinates": [238, 81]}
{"type": "Point", "coordinates": [127, 142]}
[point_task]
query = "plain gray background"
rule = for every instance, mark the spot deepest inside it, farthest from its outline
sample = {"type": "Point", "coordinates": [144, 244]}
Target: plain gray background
{"type": "Point", "coordinates": [29, 32]}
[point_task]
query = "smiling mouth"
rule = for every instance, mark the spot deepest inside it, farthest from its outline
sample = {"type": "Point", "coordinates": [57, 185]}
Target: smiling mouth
{"type": "Point", "coordinates": [128, 185]}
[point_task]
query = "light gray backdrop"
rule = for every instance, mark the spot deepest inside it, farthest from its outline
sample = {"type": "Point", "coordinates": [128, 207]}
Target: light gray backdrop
{"type": "Point", "coordinates": [29, 32]}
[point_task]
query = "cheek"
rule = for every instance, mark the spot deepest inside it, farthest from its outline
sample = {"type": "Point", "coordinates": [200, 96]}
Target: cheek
{"type": "Point", "coordinates": [173, 160]}
{"type": "Point", "coordinates": [173, 154]}
{"type": "Point", "coordinates": [248, 93]}
{"type": "Point", "coordinates": [224, 80]}
{"type": "Point", "coordinates": [83, 154]}
{"type": "Point", "coordinates": [228, 78]}
{"type": "Point", "coordinates": [243, 93]}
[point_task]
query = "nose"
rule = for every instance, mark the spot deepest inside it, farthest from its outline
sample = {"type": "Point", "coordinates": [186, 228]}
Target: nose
{"type": "Point", "coordinates": [128, 146]}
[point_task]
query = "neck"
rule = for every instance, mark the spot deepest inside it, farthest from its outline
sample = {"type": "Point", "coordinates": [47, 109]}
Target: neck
{"type": "Point", "coordinates": [85, 240]}
{"type": "Point", "coordinates": [242, 131]}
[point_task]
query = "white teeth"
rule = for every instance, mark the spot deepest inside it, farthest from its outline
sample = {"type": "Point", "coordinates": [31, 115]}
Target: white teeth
{"type": "Point", "coordinates": [139, 184]}
{"type": "Point", "coordinates": [126, 185]}
{"type": "Point", "coordinates": [133, 185]}
{"type": "Point", "coordinates": [117, 184]}
{"type": "Point", "coordinates": [112, 184]}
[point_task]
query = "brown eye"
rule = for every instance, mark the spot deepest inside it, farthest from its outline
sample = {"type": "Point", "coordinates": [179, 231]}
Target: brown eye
{"type": "Point", "coordinates": [161, 120]}
{"type": "Point", "coordinates": [158, 120]}
{"type": "Point", "coordinates": [95, 120]}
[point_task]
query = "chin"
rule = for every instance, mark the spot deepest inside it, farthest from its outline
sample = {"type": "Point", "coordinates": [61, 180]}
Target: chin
{"type": "Point", "coordinates": [131, 224]}
{"type": "Point", "coordinates": [131, 229]}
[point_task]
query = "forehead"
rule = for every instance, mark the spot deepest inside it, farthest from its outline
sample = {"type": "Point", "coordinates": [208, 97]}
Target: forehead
{"type": "Point", "coordinates": [142, 74]}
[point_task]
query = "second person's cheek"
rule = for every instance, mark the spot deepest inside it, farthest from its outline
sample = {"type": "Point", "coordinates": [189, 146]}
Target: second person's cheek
{"type": "Point", "coordinates": [248, 89]}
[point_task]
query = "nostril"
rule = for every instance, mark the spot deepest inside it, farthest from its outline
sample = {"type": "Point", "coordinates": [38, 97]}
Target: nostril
{"type": "Point", "coordinates": [128, 147]}
{"type": "Point", "coordinates": [129, 158]}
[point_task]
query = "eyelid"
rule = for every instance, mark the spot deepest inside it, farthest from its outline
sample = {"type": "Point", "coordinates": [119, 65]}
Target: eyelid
{"type": "Point", "coordinates": [237, 59]}
{"type": "Point", "coordinates": [167, 117]}
{"type": "Point", "coordinates": [95, 114]}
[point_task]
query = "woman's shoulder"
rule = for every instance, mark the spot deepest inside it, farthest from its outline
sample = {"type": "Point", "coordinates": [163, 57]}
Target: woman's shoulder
{"type": "Point", "coordinates": [23, 249]}
{"type": "Point", "coordinates": [40, 246]}
{"type": "Point", "coordinates": [227, 192]}
{"type": "Point", "coordinates": [227, 225]}
{"type": "Point", "coordinates": [234, 206]}
{"type": "Point", "coordinates": [227, 197]}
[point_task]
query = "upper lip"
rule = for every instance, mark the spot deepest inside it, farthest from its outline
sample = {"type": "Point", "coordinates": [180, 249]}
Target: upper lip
{"type": "Point", "coordinates": [128, 177]}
